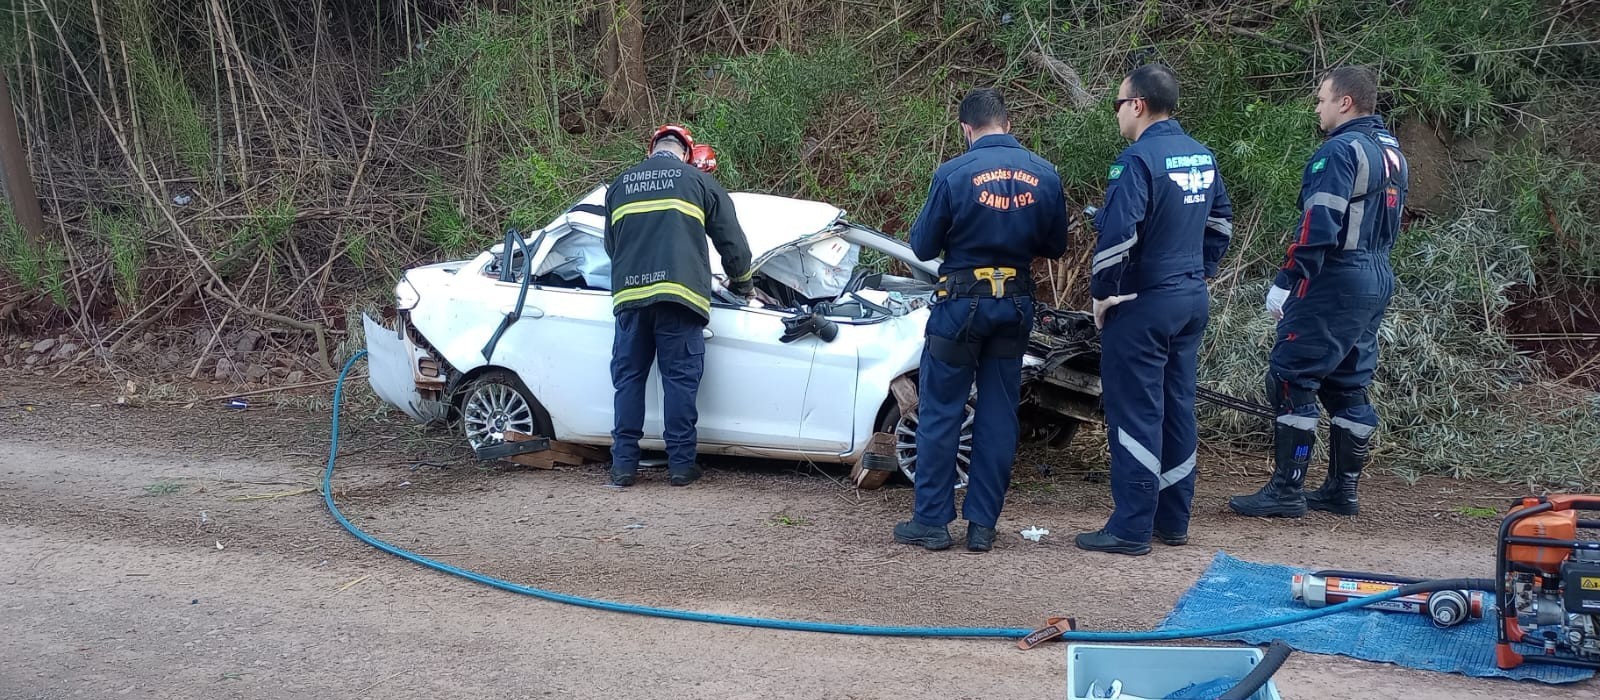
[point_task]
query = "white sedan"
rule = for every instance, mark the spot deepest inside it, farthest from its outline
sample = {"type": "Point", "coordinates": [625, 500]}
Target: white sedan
{"type": "Point", "coordinates": [519, 339]}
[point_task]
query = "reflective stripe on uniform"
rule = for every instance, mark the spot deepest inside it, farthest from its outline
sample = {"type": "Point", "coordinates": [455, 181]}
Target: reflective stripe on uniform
{"type": "Point", "coordinates": [1360, 430]}
{"type": "Point", "coordinates": [1220, 225]}
{"type": "Point", "coordinates": [1358, 208]}
{"type": "Point", "coordinates": [1113, 255]}
{"type": "Point", "coordinates": [672, 204]}
{"type": "Point", "coordinates": [1325, 199]}
{"type": "Point", "coordinates": [1298, 422]}
{"type": "Point", "coordinates": [1139, 452]}
{"type": "Point", "coordinates": [1178, 473]}
{"type": "Point", "coordinates": [671, 288]}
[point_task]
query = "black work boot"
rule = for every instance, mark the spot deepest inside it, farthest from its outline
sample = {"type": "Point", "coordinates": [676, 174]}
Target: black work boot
{"type": "Point", "coordinates": [683, 476]}
{"type": "Point", "coordinates": [979, 538]}
{"type": "Point", "coordinates": [1281, 497]}
{"type": "Point", "coordinates": [1103, 541]}
{"type": "Point", "coordinates": [1171, 539]}
{"type": "Point", "coordinates": [930, 537]}
{"type": "Point", "coordinates": [1347, 456]}
{"type": "Point", "coordinates": [621, 476]}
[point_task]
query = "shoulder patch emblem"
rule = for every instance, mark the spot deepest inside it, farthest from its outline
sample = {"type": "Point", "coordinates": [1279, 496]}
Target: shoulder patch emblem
{"type": "Point", "coordinates": [1116, 172]}
{"type": "Point", "coordinates": [1319, 165]}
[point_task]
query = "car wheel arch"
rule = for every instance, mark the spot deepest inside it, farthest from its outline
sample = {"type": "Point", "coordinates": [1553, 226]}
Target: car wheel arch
{"type": "Point", "coordinates": [889, 419]}
{"type": "Point", "coordinates": [456, 392]}
{"type": "Point", "coordinates": [889, 401]}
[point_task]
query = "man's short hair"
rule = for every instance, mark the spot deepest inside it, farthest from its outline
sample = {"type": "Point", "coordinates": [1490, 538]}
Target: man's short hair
{"type": "Point", "coordinates": [1158, 85]}
{"type": "Point", "coordinates": [984, 107]}
{"type": "Point", "coordinates": [1359, 83]}
{"type": "Point", "coordinates": [656, 144]}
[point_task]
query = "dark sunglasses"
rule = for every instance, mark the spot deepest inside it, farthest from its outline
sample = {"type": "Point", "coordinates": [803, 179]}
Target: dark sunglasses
{"type": "Point", "coordinates": [1116, 105]}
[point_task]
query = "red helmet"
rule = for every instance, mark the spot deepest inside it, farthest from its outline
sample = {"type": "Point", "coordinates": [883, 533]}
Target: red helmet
{"type": "Point", "coordinates": [703, 157]}
{"type": "Point", "coordinates": [681, 132]}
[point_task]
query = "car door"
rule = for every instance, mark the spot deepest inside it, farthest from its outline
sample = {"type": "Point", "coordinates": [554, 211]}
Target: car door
{"type": "Point", "coordinates": [750, 393]}
{"type": "Point", "coordinates": [753, 385]}
{"type": "Point", "coordinates": [561, 349]}
{"type": "Point", "coordinates": [827, 416]}
{"type": "Point", "coordinates": [560, 346]}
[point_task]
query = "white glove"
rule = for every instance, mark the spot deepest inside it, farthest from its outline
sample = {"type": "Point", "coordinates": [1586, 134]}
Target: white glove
{"type": "Point", "coordinates": [1101, 306]}
{"type": "Point", "coordinates": [1112, 693]}
{"type": "Point", "coordinates": [1275, 298]}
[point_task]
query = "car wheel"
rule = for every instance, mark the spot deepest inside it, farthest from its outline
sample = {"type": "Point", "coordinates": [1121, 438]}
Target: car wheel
{"type": "Point", "coordinates": [1059, 435]}
{"type": "Point", "coordinates": [498, 402]}
{"type": "Point", "coordinates": [904, 430]}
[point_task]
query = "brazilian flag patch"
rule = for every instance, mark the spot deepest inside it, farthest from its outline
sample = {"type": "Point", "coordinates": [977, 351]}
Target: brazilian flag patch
{"type": "Point", "coordinates": [1116, 172]}
{"type": "Point", "coordinates": [1319, 165]}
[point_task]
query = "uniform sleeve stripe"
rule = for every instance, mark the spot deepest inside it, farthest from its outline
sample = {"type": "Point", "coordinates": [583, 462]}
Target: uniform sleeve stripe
{"type": "Point", "coordinates": [1116, 250]}
{"type": "Point", "coordinates": [1329, 200]}
{"type": "Point", "coordinates": [1220, 225]}
{"type": "Point", "coordinates": [1104, 265]}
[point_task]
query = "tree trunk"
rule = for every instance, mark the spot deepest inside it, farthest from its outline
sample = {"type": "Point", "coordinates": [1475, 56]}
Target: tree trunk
{"type": "Point", "coordinates": [14, 173]}
{"type": "Point", "coordinates": [626, 100]}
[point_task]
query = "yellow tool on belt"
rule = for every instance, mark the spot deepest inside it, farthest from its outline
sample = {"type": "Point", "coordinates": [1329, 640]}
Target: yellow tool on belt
{"type": "Point", "coordinates": [995, 276]}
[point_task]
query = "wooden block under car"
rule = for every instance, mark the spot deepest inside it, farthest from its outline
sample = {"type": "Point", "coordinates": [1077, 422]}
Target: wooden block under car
{"type": "Point", "coordinates": [876, 464]}
{"type": "Point", "coordinates": [560, 454]}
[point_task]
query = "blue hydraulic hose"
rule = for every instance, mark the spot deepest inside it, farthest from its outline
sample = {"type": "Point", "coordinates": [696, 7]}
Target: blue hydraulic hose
{"type": "Point", "coordinates": [796, 625]}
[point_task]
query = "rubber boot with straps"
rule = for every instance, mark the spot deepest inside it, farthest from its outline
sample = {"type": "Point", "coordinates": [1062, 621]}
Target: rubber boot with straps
{"type": "Point", "coordinates": [1282, 497]}
{"type": "Point", "coordinates": [1347, 456]}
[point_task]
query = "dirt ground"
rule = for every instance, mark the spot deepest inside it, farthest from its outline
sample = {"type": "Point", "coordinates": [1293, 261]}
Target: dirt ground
{"type": "Point", "coordinates": [171, 552]}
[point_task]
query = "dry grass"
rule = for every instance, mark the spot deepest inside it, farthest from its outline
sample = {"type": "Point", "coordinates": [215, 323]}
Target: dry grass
{"type": "Point", "coordinates": [1452, 394]}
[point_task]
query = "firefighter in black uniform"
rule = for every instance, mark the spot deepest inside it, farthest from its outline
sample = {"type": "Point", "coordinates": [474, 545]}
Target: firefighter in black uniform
{"type": "Point", "coordinates": [990, 212]}
{"type": "Point", "coordinates": [659, 214]}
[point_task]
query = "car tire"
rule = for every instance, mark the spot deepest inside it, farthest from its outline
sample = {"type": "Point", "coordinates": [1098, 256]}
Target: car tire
{"type": "Point", "coordinates": [1059, 436]}
{"type": "Point", "coordinates": [904, 430]}
{"type": "Point", "coordinates": [497, 401]}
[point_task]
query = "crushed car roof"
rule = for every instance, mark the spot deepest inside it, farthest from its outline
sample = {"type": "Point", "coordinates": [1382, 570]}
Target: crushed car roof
{"type": "Point", "coordinates": [769, 221]}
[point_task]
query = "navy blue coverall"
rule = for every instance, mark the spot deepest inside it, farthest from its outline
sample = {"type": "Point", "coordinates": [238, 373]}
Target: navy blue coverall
{"type": "Point", "coordinates": [1163, 230]}
{"type": "Point", "coordinates": [996, 206]}
{"type": "Point", "coordinates": [1339, 280]}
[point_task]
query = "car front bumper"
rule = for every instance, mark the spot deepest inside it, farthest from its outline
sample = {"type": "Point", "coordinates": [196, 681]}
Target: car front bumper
{"type": "Point", "coordinates": [395, 367]}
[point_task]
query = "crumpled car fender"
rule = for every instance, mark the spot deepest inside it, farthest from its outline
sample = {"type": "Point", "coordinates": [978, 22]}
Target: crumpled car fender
{"type": "Point", "coordinates": [880, 364]}
{"type": "Point", "coordinates": [391, 361]}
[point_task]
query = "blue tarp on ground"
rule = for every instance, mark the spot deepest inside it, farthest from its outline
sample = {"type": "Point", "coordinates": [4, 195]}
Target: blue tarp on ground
{"type": "Point", "coordinates": [1233, 589]}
